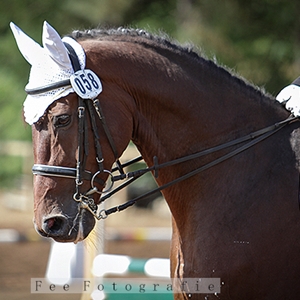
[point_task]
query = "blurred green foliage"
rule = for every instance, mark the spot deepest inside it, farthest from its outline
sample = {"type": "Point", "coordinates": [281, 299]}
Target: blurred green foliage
{"type": "Point", "coordinates": [10, 171]}
{"type": "Point", "coordinates": [260, 39]}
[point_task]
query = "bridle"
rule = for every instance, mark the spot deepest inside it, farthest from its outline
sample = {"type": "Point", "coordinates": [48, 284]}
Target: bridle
{"type": "Point", "coordinates": [93, 107]}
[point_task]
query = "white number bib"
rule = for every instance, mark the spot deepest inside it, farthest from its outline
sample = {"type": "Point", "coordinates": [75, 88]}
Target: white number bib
{"type": "Point", "coordinates": [86, 84]}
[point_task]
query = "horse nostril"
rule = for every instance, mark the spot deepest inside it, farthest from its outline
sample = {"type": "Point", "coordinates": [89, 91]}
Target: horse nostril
{"type": "Point", "coordinates": [55, 226]}
{"type": "Point", "coordinates": [54, 223]}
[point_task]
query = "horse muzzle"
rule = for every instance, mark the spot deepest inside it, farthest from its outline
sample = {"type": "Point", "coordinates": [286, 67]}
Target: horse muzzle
{"type": "Point", "coordinates": [64, 229]}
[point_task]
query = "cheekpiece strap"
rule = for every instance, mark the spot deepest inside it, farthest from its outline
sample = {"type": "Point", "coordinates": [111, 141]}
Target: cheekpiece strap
{"type": "Point", "coordinates": [73, 57]}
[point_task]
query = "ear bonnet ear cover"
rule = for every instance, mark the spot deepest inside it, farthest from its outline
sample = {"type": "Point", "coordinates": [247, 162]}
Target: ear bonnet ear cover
{"type": "Point", "coordinates": [49, 64]}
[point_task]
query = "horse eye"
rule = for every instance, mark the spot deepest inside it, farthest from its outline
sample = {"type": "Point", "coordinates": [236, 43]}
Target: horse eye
{"type": "Point", "coordinates": [61, 121]}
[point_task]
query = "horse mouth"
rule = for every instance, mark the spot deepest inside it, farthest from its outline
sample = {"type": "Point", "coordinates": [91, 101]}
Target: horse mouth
{"type": "Point", "coordinates": [63, 229]}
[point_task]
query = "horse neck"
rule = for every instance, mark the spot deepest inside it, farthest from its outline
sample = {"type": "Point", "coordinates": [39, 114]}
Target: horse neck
{"type": "Point", "coordinates": [181, 104]}
{"type": "Point", "coordinates": [184, 110]}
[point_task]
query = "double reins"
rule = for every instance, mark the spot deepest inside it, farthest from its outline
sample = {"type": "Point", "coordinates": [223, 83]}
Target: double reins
{"type": "Point", "coordinates": [253, 139]}
{"type": "Point", "coordinates": [79, 173]}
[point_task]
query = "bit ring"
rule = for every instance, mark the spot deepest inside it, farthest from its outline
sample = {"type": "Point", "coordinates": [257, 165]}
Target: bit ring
{"type": "Point", "coordinates": [110, 185]}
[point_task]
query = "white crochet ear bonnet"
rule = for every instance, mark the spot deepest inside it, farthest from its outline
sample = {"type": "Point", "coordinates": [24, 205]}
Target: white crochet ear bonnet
{"type": "Point", "coordinates": [49, 64]}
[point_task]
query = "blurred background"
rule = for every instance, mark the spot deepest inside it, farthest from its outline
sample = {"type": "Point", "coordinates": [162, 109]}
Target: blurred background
{"type": "Point", "coordinates": [258, 39]}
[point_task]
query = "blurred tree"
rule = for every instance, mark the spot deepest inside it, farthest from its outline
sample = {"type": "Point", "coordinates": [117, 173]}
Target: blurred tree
{"type": "Point", "coordinates": [260, 39]}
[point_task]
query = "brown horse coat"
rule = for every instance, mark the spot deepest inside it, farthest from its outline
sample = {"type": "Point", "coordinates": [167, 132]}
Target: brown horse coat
{"type": "Point", "coordinates": [238, 221]}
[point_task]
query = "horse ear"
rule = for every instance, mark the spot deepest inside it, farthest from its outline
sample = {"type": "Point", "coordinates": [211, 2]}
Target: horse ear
{"type": "Point", "coordinates": [27, 46]}
{"type": "Point", "coordinates": [53, 44]}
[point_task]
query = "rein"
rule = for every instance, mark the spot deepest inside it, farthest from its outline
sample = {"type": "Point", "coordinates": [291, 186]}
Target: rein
{"type": "Point", "coordinates": [253, 138]}
{"type": "Point", "coordinates": [79, 173]}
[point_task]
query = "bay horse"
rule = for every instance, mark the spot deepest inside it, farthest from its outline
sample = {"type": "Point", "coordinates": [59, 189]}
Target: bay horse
{"type": "Point", "coordinates": [238, 219]}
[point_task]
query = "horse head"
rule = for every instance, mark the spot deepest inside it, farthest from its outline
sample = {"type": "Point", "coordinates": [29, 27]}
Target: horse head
{"type": "Point", "coordinates": [73, 147]}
